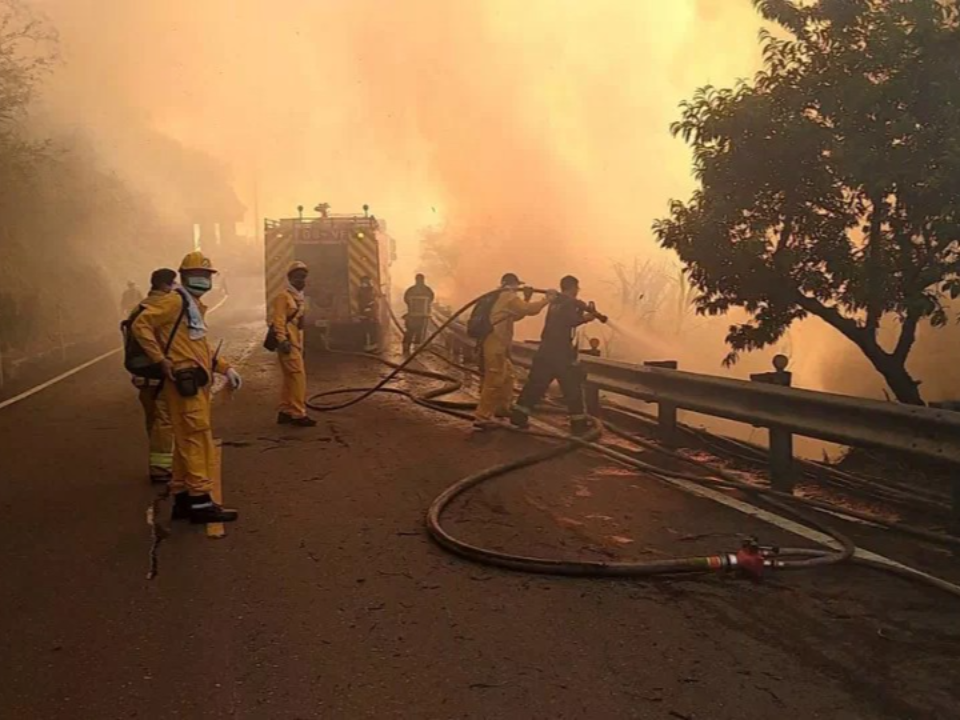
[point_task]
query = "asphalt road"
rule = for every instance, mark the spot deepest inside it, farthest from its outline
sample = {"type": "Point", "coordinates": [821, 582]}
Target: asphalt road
{"type": "Point", "coordinates": [327, 600]}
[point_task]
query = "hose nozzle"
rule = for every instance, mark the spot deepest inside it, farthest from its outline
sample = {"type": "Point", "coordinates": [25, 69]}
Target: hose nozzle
{"type": "Point", "coordinates": [592, 309]}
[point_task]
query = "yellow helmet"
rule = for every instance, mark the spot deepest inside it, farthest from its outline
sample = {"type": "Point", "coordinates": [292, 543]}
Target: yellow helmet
{"type": "Point", "coordinates": [297, 265]}
{"type": "Point", "coordinates": [196, 260]}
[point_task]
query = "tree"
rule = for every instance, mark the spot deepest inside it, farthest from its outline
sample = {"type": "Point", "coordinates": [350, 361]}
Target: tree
{"type": "Point", "coordinates": [830, 185]}
{"type": "Point", "coordinates": [27, 51]}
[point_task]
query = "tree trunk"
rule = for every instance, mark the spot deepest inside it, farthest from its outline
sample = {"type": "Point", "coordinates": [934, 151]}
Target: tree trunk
{"type": "Point", "coordinates": [893, 366]}
{"type": "Point", "coordinates": [899, 380]}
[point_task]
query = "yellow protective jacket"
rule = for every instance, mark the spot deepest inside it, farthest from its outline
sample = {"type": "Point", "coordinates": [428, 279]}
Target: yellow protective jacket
{"type": "Point", "coordinates": [153, 327]}
{"type": "Point", "coordinates": [509, 308]}
{"type": "Point", "coordinates": [286, 318]}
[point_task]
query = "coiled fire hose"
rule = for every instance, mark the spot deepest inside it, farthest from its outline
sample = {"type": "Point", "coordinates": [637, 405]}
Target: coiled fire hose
{"type": "Point", "coordinates": [750, 558]}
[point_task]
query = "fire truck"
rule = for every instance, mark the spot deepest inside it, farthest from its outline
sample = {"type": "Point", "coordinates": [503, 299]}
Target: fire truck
{"type": "Point", "coordinates": [345, 253]}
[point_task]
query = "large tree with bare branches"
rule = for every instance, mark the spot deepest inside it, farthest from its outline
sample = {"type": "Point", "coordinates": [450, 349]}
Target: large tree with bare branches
{"type": "Point", "coordinates": [830, 185]}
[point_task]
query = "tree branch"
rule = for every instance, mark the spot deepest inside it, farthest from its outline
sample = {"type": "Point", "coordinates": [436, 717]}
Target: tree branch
{"type": "Point", "coordinates": [908, 335]}
{"type": "Point", "coordinates": [830, 315]}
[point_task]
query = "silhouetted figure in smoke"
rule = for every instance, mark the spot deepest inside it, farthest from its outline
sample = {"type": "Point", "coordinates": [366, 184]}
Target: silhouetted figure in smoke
{"type": "Point", "coordinates": [419, 301]}
{"type": "Point", "coordinates": [130, 299]}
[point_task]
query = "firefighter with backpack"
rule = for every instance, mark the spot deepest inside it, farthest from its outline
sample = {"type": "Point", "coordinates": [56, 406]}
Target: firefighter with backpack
{"type": "Point", "coordinates": [491, 324]}
{"type": "Point", "coordinates": [172, 335]}
{"type": "Point", "coordinates": [155, 411]}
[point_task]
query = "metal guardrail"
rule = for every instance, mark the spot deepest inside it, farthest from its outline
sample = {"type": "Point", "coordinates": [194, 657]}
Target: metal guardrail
{"type": "Point", "coordinates": [928, 432]}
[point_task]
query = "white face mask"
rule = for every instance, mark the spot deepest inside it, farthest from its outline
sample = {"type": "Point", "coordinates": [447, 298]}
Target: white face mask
{"type": "Point", "coordinates": [198, 284]}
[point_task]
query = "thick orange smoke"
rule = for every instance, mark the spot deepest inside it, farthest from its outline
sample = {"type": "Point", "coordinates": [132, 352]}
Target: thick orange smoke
{"type": "Point", "coordinates": [534, 135]}
{"type": "Point", "coordinates": [540, 127]}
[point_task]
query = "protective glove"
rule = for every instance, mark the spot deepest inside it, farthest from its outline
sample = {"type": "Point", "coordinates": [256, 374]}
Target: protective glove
{"type": "Point", "coordinates": [527, 293]}
{"type": "Point", "coordinates": [233, 377]}
{"type": "Point", "coordinates": [285, 347]}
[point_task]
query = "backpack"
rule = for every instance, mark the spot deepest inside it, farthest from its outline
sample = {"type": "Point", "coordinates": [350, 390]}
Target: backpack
{"type": "Point", "coordinates": [479, 324]}
{"type": "Point", "coordinates": [270, 341]}
{"type": "Point", "coordinates": [135, 359]}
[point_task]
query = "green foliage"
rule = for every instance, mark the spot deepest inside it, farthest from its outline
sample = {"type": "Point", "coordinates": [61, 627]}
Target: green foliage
{"type": "Point", "coordinates": [830, 185]}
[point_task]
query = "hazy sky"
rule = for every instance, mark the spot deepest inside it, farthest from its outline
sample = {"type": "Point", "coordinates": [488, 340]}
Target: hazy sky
{"type": "Point", "coordinates": [547, 117]}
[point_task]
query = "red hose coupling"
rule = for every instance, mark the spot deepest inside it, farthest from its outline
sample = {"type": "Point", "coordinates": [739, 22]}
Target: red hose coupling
{"type": "Point", "coordinates": [751, 559]}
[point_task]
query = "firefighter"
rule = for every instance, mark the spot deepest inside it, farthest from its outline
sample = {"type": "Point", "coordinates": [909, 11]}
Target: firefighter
{"type": "Point", "coordinates": [154, 404]}
{"type": "Point", "coordinates": [188, 367]}
{"type": "Point", "coordinates": [286, 320]}
{"type": "Point", "coordinates": [496, 391]}
{"type": "Point", "coordinates": [130, 299]}
{"type": "Point", "coordinates": [367, 302]}
{"type": "Point", "coordinates": [419, 299]}
{"type": "Point", "coordinates": [557, 358]}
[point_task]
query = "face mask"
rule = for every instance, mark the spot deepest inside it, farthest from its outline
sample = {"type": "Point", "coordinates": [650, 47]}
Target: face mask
{"type": "Point", "coordinates": [198, 284]}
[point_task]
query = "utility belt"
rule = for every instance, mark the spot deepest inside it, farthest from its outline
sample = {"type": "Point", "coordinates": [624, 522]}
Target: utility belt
{"type": "Point", "coordinates": [190, 380]}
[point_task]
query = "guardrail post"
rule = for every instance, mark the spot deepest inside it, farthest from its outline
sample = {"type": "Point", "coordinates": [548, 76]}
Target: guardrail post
{"type": "Point", "coordinates": [591, 393]}
{"type": "Point", "coordinates": [782, 475]}
{"type": "Point", "coordinates": [666, 412]}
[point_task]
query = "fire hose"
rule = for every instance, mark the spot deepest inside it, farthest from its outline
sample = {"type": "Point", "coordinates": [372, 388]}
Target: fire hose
{"type": "Point", "coordinates": [752, 559]}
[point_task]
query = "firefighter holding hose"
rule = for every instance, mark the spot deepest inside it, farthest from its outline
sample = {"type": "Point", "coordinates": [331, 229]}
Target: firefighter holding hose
{"type": "Point", "coordinates": [493, 329]}
{"type": "Point", "coordinates": [557, 358]}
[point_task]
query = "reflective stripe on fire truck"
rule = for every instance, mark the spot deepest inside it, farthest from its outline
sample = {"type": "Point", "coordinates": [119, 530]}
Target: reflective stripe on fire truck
{"type": "Point", "coordinates": [362, 252]}
{"type": "Point", "coordinates": [278, 249]}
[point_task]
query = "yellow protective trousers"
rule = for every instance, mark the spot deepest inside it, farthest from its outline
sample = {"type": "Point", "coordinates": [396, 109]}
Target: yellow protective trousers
{"type": "Point", "coordinates": [159, 430]}
{"type": "Point", "coordinates": [293, 390]}
{"type": "Point", "coordinates": [496, 390]}
{"type": "Point", "coordinates": [194, 453]}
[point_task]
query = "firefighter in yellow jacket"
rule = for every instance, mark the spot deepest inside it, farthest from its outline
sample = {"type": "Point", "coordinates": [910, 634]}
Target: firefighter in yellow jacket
{"type": "Point", "coordinates": [188, 366]}
{"type": "Point", "coordinates": [155, 411]}
{"type": "Point", "coordinates": [496, 391]}
{"type": "Point", "coordinates": [286, 321]}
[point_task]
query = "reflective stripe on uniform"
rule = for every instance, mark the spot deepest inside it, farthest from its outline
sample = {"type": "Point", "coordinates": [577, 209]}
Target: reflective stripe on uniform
{"type": "Point", "coordinates": [161, 460]}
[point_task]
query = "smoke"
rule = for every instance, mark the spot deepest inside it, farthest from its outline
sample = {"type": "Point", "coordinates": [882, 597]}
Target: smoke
{"type": "Point", "coordinates": [540, 127]}
{"type": "Point", "coordinates": [533, 136]}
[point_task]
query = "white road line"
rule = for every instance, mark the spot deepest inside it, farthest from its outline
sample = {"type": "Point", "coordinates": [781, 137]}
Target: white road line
{"type": "Point", "coordinates": [58, 378]}
{"type": "Point", "coordinates": [767, 516]}
{"type": "Point", "coordinates": [789, 525]}
{"type": "Point", "coordinates": [53, 381]}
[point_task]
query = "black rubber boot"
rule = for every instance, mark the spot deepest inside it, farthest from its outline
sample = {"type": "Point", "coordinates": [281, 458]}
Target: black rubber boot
{"type": "Point", "coordinates": [518, 418]}
{"type": "Point", "coordinates": [204, 510]}
{"type": "Point", "coordinates": [284, 419]}
{"type": "Point", "coordinates": [305, 421]}
{"type": "Point", "coordinates": [181, 506]}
